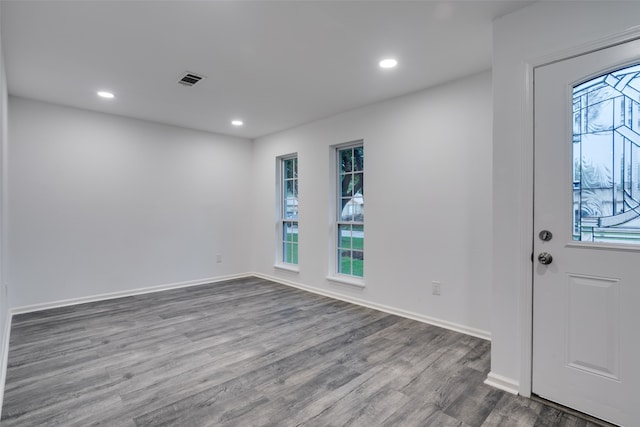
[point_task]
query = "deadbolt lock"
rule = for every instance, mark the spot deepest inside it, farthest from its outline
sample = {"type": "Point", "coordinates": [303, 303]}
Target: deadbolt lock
{"type": "Point", "coordinates": [545, 235]}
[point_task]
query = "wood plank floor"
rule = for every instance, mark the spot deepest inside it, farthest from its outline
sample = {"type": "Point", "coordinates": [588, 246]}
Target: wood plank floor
{"type": "Point", "coordinates": [250, 352]}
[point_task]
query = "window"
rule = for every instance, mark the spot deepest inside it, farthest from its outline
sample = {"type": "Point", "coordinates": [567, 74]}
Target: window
{"type": "Point", "coordinates": [288, 224]}
{"type": "Point", "coordinates": [350, 212]}
{"type": "Point", "coordinates": [606, 158]}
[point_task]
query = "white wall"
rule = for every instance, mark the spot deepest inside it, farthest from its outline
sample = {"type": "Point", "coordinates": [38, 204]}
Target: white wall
{"type": "Point", "coordinates": [3, 205]}
{"type": "Point", "coordinates": [100, 204]}
{"type": "Point", "coordinates": [427, 198]}
{"type": "Point", "coordinates": [526, 36]}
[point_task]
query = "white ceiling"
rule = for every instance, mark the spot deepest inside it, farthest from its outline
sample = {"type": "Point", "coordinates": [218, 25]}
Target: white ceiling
{"type": "Point", "coordinates": [275, 64]}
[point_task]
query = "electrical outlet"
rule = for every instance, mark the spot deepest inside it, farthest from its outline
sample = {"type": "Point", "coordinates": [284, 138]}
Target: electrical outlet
{"type": "Point", "coordinates": [218, 258]}
{"type": "Point", "coordinates": [435, 287]}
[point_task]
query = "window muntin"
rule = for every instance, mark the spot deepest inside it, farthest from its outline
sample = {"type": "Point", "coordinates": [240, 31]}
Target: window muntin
{"type": "Point", "coordinates": [289, 210]}
{"type": "Point", "coordinates": [350, 212]}
{"type": "Point", "coordinates": [606, 158]}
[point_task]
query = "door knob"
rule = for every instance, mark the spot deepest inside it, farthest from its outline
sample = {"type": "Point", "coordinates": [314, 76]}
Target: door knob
{"type": "Point", "coordinates": [545, 258]}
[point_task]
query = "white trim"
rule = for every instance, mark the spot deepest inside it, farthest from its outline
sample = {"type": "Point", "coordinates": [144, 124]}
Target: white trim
{"type": "Point", "coordinates": [503, 383]}
{"type": "Point", "coordinates": [4, 220]}
{"type": "Point", "coordinates": [585, 48]}
{"type": "Point", "coordinates": [334, 242]}
{"type": "Point", "coordinates": [347, 280]}
{"type": "Point", "coordinates": [121, 294]}
{"type": "Point", "coordinates": [527, 236]}
{"type": "Point", "coordinates": [527, 182]}
{"type": "Point", "coordinates": [478, 333]}
{"type": "Point", "coordinates": [280, 200]}
{"type": "Point", "coordinates": [602, 246]}
{"type": "Point", "coordinates": [4, 357]}
{"type": "Point", "coordinates": [287, 267]}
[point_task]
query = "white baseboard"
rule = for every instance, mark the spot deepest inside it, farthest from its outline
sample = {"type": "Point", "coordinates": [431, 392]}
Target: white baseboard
{"type": "Point", "coordinates": [478, 333]}
{"type": "Point", "coordinates": [121, 294]}
{"type": "Point", "coordinates": [503, 383]}
{"type": "Point", "coordinates": [4, 357]}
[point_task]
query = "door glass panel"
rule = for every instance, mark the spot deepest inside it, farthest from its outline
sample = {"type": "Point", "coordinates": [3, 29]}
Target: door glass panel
{"type": "Point", "coordinates": [606, 158]}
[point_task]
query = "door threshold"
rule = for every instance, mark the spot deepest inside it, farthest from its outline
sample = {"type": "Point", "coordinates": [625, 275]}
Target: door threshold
{"type": "Point", "coordinates": [570, 411]}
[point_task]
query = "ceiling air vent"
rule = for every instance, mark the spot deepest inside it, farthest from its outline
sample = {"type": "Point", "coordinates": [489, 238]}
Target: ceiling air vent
{"type": "Point", "coordinates": [190, 79]}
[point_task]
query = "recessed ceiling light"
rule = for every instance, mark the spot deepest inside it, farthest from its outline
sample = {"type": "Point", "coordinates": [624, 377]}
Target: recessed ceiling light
{"type": "Point", "coordinates": [388, 63]}
{"type": "Point", "coordinates": [105, 94]}
{"type": "Point", "coordinates": [237, 122]}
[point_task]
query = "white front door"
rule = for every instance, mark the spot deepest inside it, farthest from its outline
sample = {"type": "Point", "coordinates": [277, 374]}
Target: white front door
{"type": "Point", "coordinates": [586, 288]}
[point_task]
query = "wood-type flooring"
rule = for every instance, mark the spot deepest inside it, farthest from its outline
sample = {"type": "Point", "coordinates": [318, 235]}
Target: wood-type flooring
{"type": "Point", "coordinates": [250, 352]}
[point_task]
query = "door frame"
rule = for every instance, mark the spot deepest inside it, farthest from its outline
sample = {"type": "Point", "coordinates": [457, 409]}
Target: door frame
{"type": "Point", "coordinates": [527, 233]}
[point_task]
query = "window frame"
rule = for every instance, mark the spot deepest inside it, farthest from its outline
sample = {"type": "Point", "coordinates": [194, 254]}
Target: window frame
{"type": "Point", "coordinates": [338, 223]}
{"type": "Point", "coordinates": [282, 260]}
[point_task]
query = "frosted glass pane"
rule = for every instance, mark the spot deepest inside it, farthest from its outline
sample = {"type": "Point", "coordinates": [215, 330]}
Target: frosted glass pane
{"type": "Point", "coordinates": [606, 158]}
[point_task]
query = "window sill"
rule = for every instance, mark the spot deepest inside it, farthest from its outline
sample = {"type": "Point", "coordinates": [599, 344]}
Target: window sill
{"type": "Point", "coordinates": [345, 280]}
{"type": "Point", "coordinates": [291, 268]}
